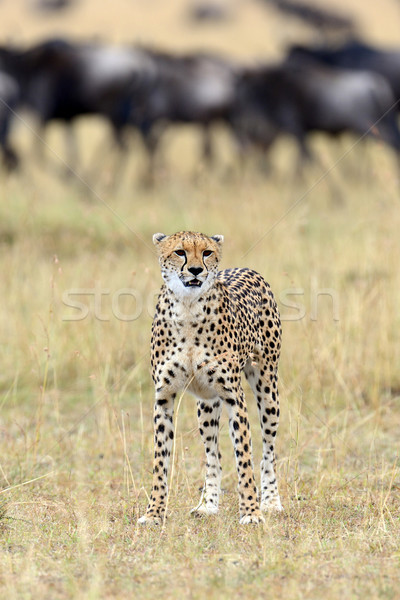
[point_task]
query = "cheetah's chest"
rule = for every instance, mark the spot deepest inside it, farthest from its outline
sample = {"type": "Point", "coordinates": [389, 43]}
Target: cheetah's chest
{"type": "Point", "coordinates": [203, 346]}
{"type": "Point", "coordinates": [196, 356]}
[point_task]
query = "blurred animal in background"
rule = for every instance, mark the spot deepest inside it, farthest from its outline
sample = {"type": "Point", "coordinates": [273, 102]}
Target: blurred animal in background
{"type": "Point", "coordinates": [59, 80]}
{"type": "Point", "coordinates": [354, 55]}
{"type": "Point", "coordinates": [128, 86]}
{"type": "Point", "coordinates": [52, 6]}
{"type": "Point", "coordinates": [321, 19]}
{"type": "Point", "coordinates": [147, 91]}
{"type": "Point", "coordinates": [298, 97]}
{"type": "Point", "coordinates": [209, 12]}
{"type": "Point", "coordinates": [195, 88]}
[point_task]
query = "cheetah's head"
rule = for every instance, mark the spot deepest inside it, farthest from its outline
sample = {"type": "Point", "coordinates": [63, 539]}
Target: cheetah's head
{"type": "Point", "coordinates": [189, 261]}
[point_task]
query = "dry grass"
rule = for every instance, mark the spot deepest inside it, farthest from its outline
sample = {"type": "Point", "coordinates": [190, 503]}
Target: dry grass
{"type": "Point", "coordinates": [76, 396]}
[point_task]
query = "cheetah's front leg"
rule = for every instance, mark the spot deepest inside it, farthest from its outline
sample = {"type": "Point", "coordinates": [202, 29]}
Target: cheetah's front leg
{"type": "Point", "coordinates": [163, 439]}
{"type": "Point", "coordinates": [208, 413]}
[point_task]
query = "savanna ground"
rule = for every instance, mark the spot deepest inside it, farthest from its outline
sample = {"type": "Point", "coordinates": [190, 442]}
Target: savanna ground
{"type": "Point", "coordinates": [76, 395]}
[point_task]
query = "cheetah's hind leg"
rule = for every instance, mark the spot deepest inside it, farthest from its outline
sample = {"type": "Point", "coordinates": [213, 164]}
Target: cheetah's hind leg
{"type": "Point", "coordinates": [263, 383]}
{"type": "Point", "coordinates": [208, 414]}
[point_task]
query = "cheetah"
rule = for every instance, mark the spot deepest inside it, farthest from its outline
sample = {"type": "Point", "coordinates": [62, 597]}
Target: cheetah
{"type": "Point", "coordinates": [208, 328]}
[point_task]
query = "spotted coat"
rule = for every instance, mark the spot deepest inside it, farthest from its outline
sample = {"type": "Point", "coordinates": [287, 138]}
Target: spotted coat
{"type": "Point", "coordinates": [208, 328]}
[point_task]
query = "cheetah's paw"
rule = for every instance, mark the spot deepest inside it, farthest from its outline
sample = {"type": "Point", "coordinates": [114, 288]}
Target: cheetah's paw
{"type": "Point", "coordinates": [253, 518]}
{"type": "Point", "coordinates": [204, 510]}
{"type": "Point", "coordinates": [274, 504]}
{"type": "Point", "coordinates": [149, 520]}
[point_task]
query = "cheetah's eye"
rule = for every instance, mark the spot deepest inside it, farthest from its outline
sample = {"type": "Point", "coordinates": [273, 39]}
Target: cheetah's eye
{"type": "Point", "coordinates": [180, 252]}
{"type": "Point", "coordinates": [207, 253]}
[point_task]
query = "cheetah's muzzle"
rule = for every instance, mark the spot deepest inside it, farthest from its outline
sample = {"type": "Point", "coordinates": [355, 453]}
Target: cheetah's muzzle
{"type": "Point", "coordinates": [193, 283]}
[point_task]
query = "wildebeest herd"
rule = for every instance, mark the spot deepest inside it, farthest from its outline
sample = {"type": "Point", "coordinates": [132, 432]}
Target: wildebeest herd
{"type": "Point", "coordinates": [352, 88]}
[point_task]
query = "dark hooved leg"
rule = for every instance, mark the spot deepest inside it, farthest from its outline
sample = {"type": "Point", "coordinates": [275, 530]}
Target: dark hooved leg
{"type": "Point", "coordinates": [208, 149]}
{"type": "Point", "coordinates": [263, 382]}
{"type": "Point", "coordinates": [163, 440]}
{"type": "Point", "coordinates": [151, 136]}
{"type": "Point", "coordinates": [239, 429]}
{"type": "Point", "coordinates": [208, 413]}
{"type": "Point", "coordinates": [72, 151]}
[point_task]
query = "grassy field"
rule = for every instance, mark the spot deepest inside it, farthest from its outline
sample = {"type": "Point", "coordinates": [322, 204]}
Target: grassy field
{"type": "Point", "coordinates": [76, 394]}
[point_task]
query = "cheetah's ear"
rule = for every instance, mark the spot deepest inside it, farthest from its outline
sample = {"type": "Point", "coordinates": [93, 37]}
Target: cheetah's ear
{"type": "Point", "coordinates": [218, 238]}
{"type": "Point", "coordinates": [158, 237]}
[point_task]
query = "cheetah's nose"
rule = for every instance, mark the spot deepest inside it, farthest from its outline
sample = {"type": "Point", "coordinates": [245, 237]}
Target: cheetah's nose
{"type": "Point", "coordinates": [195, 270]}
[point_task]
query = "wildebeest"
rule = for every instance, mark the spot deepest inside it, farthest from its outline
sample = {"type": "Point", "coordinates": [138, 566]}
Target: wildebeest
{"type": "Point", "coordinates": [297, 98]}
{"type": "Point", "coordinates": [60, 80]}
{"type": "Point", "coordinates": [208, 12]}
{"type": "Point", "coordinates": [355, 55]}
{"type": "Point", "coordinates": [320, 18]}
{"type": "Point", "coordinates": [197, 88]}
{"type": "Point", "coordinates": [129, 86]}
